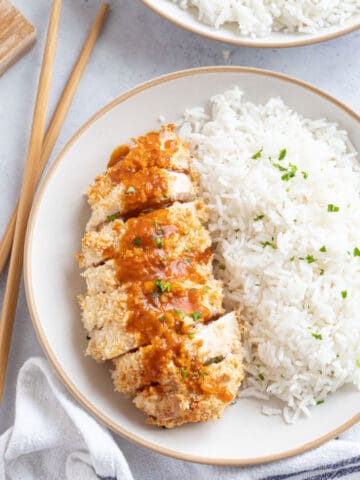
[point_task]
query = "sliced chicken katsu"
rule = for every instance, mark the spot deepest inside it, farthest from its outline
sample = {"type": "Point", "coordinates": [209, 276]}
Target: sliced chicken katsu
{"type": "Point", "coordinates": [154, 172]}
{"type": "Point", "coordinates": [125, 318]}
{"type": "Point", "coordinates": [203, 344]}
{"type": "Point", "coordinates": [173, 230]}
{"type": "Point", "coordinates": [134, 192]}
{"type": "Point", "coordinates": [152, 304]}
{"type": "Point", "coordinates": [200, 399]}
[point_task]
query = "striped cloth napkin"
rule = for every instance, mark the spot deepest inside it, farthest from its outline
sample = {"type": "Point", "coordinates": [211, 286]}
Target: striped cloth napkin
{"type": "Point", "coordinates": [53, 439]}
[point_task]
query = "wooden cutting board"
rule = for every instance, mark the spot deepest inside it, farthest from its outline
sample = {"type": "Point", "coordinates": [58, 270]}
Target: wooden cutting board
{"type": "Point", "coordinates": [17, 35]}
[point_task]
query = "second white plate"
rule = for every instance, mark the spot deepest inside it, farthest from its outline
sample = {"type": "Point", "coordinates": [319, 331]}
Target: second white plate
{"type": "Point", "coordinates": [228, 33]}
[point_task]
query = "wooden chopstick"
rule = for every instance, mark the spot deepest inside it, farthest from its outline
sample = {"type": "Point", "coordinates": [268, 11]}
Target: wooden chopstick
{"type": "Point", "coordinates": [28, 190]}
{"type": "Point", "coordinates": [57, 120]}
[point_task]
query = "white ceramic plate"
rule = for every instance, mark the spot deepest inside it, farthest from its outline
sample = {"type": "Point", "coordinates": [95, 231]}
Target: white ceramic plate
{"type": "Point", "coordinates": [188, 19]}
{"type": "Point", "coordinates": [52, 277]}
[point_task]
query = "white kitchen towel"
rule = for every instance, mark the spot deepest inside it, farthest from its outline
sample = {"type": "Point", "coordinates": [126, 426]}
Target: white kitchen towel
{"type": "Point", "coordinates": [53, 438]}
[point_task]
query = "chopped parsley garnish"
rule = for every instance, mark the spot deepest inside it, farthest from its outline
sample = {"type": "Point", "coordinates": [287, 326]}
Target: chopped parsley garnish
{"type": "Point", "coordinates": [282, 154]}
{"type": "Point", "coordinates": [319, 402]}
{"type": "Point", "coordinates": [222, 266]}
{"type": "Point", "coordinates": [279, 167]}
{"type": "Point", "coordinates": [304, 174]}
{"type": "Point", "coordinates": [111, 218]}
{"type": "Point", "coordinates": [183, 372]}
{"type": "Point", "coordinates": [322, 271]}
{"type": "Point", "coordinates": [322, 249]}
{"type": "Point", "coordinates": [310, 259]}
{"type": "Point", "coordinates": [191, 336]}
{"type": "Point", "coordinates": [206, 288]}
{"type": "Point", "coordinates": [257, 284]}
{"type": "Point", "coordinates": [332, 208]}
{"type": "Point", "coordinates": [188, 260]}
{"type": "Point", "coordinates": [162, 319]}
{"type": "Point", "coordinates": [130, 190]}
{"type": "Point", "coordinates": [259, 217]}
{"type": "Point", "coordinates": [217, 359]}
{"type": "Point", "coordinates": [358, 362]}
{"type": "Point", "coordinates": [137, 241]}
{"type": "Point", "coordinates": [163, 286]}
{"type": "Point", "coordinates": [159, 229]}
{"type": "Point", "coordinates": [196, 316]}
{"type": "Point", "coordinates": [344, 293]}
{"type": "Point", "coordinates": [180, 313]}
{"type": "Point", "coordinates": [261, 376]}
{"type": "Point", "coordinates": [269, 244]}
{"type": "Point", "coordinates": [356, 252]}
{"type": "Point", "coordinates": [257, 154]}
{"type": "Point", "coordinates": [159, 242]}
{"type": "Point", "coordinates": [237, 230]}
{"type": "Point", "coordinates": [292, 259]}
{"type": "Point", "coordinates": [318, 336]}
{"type": "Point", "coordinates": [290, 173]}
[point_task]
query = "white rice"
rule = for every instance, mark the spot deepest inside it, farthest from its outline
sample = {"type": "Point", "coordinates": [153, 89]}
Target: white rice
{"type": "Point", "coordinates": [269, 228]}
{"type": "Point", "coordinates": [260, 17]}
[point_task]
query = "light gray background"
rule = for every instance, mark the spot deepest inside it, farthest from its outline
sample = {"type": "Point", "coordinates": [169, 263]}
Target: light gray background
{"type": "Point", "coordinates": [135, 46]}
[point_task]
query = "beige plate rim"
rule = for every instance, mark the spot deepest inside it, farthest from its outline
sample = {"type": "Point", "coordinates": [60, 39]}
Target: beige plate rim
{"type": "Point", "coordinates": [243, 42]}
{"type": "Point", "coordinates": [30, 295]}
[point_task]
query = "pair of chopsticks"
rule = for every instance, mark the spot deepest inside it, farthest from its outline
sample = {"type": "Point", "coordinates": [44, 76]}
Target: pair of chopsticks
{"type": "Point", "coordinates": [39, 150]}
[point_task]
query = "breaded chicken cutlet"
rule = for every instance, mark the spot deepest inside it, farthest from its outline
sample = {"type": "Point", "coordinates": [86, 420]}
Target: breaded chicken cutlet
{"type": "Point", "coordinates": [152, 305]}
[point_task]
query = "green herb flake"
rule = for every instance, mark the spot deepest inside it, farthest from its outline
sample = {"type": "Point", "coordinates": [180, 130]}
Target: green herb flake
{"type": "Point", "coordinates": [259, 217]}
{"type": "Point", "coordinates": [310, 259]}
{"type": "Point", "coordinates": [188, 260]}
{"type": "Point", "coordinates": [282, 154]}
{"type": "Point", "coordinates": [191, 336]}
{"type": "Point", "coordinates": [183, 373]}
{"type": "Point", "coordinates": [217, 359]}
{"type": "Point", "coordinates": [180, 313]}
{"type": "Point", "coordinates": [196, 316]}
{"type": "Point", "coordinates": [162, 319]}
{"type": "Point", "coordinates": [137, 241]}
{"type": "Point", "coordinates": [291, 259]}
{"type": "Point", "coordinates": [318, 336]}
{"type": "Point", "coordinates": [261, 376]}
{"type": "Point", "coordinates": [237, 230]}
{"type": "Point", "coordinates": [159, 242]}
{"type": "Point", "coordinates": [222, 266]}
{"type": "Point", "coordinates": [322, 272]}
{"type": "Point", "coordinates": [131, 190]}
{"type": "Point", "coordinates": [279, 167]}
{"type": "Point", "coordinates": [356, 252]}
{"type": "Point", "coordinates": [344, 293]}
{"type": "Point", "coordinates": [290, 174]}
{"type": "Point", "coordinates": [304, 174]}
{"type": "Point", "coordinates": [206, 288]}
{"type": "Point", "coordinates": [322, 249]}
{"type": "Point", "coordinates": [111, 218]}
{"type": "Point", "coordinates": [319, 402]}
{"type": "Point", "coordinates": [332, 208]}
{"type": "Point", "coordinates": [269, 244]}
{"type": "Point", "coordinates": [257, 154]}
{"type": "Point", "coordinates": [163, 286]}
{"type": "Point", "coordinates": [357, 362]}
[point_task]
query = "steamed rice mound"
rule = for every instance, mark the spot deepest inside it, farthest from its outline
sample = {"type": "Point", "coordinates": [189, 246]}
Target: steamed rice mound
{"type": "Point", "coordinates": [260, 17]}
{"type": "Point", "coordinates": [283, 193]}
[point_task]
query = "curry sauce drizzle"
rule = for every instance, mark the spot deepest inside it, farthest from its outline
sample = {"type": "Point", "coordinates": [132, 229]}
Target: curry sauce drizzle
{"type": "Point", "coordinates": [154, 314]}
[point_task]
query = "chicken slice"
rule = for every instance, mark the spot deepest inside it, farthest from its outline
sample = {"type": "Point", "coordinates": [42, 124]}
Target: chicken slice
{"type": "Point", "coordinates": [139, 191]}
{"type": "Point", "coordinates": [208, 343]}
{"type": "Point", "coordinates": [177, 228]}
{"type": "Point", "coordinates": [173, 404]}
{"type": "Point", "coordinates": [107, 316]}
